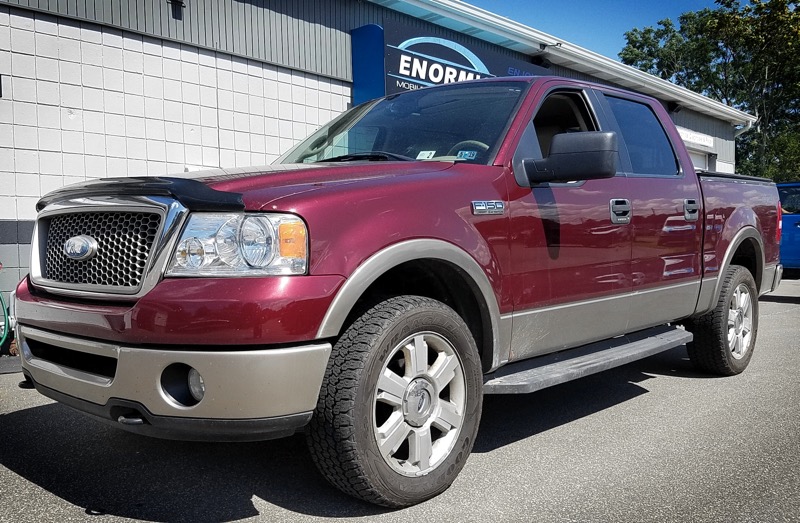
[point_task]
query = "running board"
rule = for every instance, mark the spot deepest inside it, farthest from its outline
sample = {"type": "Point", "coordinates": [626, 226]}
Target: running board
{"type": "Point", "coordinates": [546, 371]}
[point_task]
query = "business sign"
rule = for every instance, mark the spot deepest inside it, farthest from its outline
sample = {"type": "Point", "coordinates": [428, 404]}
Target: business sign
{"type": "Point", "coordinates": [425, 61]}
{"type": "Point", "coordinates": [411, 58]}
{"type": "Point", "coordinates": [695, 138]}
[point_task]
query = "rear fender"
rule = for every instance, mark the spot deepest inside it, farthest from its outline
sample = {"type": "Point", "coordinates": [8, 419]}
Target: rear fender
{"type": "Point", "coordinates": [712, 285]}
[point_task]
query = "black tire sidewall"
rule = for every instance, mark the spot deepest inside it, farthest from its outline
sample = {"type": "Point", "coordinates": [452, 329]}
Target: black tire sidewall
{"type": "Point", "coordinates": [443, 321]}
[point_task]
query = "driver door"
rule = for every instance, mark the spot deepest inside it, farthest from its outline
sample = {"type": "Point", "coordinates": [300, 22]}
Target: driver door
{"type": "Point", "coordinates": [571, 242]}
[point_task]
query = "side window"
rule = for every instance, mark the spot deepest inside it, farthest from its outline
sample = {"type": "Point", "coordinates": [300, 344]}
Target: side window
{"type": "Point", "coordinates": [648, 146]}
{"type": "Point", "coordinates": [790, 199]}
{"type": "Point", "coordinates": [561, 112]}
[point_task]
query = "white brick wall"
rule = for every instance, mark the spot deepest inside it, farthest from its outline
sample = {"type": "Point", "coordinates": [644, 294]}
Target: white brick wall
{"type": "Point", "coordinates": [81, 101]}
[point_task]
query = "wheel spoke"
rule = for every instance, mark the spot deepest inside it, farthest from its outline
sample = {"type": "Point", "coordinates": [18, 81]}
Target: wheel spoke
{"type": "Point", "coordinates": [745, 303]}
{"type": "Point", "coordinates": [417, 358]}
{"type": "Point", "coordinates": [444, 370]}
{"type": "Point", "coordinates": [739, 344]}
{"type": "Point", "coordinates": [448, 417]}
{"type": "Point", "coordinates": [392, 434]}
{"type": "Point", "coordinates": [737, 298]}
{"type": "Point", "coordinates": [747, 325]}
{"type": "Point", "coordinates": [731, 318]}
{"type": "Point", "coordinates": [391, 388]}
{"type": "Point", "coordinates": [420, 448]}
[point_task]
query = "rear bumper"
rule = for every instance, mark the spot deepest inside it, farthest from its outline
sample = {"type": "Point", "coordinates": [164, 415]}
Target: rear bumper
{"type": "Point", "coordinates": [772, 278]}
{"type": "Point", "coordinates": [249, 394]}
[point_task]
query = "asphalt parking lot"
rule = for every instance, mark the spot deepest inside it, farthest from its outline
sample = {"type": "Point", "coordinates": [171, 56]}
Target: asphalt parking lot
{"type": "Point", "coordinates": [651, 441]}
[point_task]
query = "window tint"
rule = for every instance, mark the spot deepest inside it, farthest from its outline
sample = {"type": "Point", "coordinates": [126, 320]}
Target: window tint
{"type": "Point", "coordinates": [648, 145]}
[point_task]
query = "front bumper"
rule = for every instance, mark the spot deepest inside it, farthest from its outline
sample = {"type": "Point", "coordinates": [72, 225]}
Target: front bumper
{"type": "Point", "coordinates": [187, 312]}
{"type": "Point", "coordinates": [249, 394]}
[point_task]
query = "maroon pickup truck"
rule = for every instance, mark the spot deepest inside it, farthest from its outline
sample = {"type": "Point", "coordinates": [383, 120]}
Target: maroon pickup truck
{"type": "Point", "coordinates": [416, 253]}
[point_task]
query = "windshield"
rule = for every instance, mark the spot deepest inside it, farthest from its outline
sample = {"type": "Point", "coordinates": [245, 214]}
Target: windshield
{"type": "Point", "coordinates": [457, 122]}
{"type": "Point", "coordinates": [790, 199]}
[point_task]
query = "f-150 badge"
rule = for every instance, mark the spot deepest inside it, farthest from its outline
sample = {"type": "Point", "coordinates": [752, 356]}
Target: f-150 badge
{"type": "Point", "coordinates": [488, 207]}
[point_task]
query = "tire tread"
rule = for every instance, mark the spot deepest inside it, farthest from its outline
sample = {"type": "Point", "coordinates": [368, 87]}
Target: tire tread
{"type": "Point", "coordinates": [330, 440]}
{"type": "Point", "coordinates": [709, 349]}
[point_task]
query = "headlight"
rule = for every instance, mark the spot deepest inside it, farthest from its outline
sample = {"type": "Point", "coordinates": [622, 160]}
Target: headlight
{"type": "Point", "coordinates": [215, 244]}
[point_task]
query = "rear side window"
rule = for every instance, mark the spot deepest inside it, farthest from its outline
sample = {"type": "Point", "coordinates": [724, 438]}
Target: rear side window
{"type": "Point", "coordinates": [648, 146]}
{"type": "Point", "coordinates": [790, 199]}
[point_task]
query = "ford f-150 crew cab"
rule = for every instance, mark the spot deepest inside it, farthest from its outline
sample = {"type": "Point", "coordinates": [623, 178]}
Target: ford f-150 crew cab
{"type": "Point", "coordinates": [416, 253]}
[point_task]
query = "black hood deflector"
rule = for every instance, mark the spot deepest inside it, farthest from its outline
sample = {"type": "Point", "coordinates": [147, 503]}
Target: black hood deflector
{"type": "Point", "coordinates": [192, 194]}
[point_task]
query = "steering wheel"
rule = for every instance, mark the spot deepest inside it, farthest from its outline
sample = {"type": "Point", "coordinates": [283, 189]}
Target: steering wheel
{"type": "Point", "coordinates": [467, 144]}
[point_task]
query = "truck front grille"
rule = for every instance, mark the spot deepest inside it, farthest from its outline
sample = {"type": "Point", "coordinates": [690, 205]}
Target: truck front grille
{"type": "Point", "coordinates": [124, 242]}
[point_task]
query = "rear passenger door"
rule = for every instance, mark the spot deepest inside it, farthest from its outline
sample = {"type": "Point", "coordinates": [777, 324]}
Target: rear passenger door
{"type": "Point", "coordinates": [666, 207]}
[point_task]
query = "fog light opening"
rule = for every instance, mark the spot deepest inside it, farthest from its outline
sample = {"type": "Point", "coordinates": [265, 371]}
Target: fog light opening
{"type": "Point", "coordinates": [182, 384]}
{"type": "Point", "coordinates": [197, 387]}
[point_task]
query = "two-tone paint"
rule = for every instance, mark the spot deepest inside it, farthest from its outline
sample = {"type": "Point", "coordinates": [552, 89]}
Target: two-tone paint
{"type": "Point", "coordinates": [554, 270]}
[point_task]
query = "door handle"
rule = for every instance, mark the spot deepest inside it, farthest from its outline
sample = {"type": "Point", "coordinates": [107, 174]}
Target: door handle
{"type": "Point", "coordinates": [620, 211]}
{"type": "Point", "coordinates": [691, 210]}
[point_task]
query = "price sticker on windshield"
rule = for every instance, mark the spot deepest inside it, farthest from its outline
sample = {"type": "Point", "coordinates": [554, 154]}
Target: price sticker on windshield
{"type": "Point", "coordinates": [426, 155]}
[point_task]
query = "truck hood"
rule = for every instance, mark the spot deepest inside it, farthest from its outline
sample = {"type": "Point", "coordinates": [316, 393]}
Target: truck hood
{"type": "Point", "coordinates": [261, 186]}
{"type": "Point", "coordinates": [244, 188]}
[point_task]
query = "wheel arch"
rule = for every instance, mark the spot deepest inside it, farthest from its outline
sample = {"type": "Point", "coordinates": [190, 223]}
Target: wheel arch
{"type": "Point", "coordinates": [746, 249]}
{"type": "Point", "coordinates": [426, 267]}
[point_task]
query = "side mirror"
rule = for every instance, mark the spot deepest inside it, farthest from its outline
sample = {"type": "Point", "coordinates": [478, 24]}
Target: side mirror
{"type": "Point", "coordinates": [575, 156]}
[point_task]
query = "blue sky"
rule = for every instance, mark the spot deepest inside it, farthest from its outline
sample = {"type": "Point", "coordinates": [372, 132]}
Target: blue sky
{"type": "Point", "coordinates": [597, 25]}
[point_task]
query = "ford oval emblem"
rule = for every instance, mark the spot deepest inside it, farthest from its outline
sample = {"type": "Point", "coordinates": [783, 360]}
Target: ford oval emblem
{"type": "Point", "coordinates": [80, 247]}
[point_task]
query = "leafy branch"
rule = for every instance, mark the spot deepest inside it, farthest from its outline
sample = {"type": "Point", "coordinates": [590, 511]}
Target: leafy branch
{"type": "Point", "coordinates": [745, 56]}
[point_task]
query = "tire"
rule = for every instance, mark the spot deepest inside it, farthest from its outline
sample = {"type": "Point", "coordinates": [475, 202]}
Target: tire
{"type": "Point", "coordinates": [400, 403]}
{"type": "Point", "coordinates": [725, 337]}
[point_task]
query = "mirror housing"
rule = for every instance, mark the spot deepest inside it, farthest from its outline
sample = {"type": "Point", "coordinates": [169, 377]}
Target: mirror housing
{"type": "Point", "coordinates": [575, 157]}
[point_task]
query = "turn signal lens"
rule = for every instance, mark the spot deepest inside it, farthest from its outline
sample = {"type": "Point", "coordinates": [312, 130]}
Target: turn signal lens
{"type": "Point", "coordinates": [292, 239]}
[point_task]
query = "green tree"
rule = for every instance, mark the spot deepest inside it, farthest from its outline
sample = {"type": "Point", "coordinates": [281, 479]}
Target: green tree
{"type": "Point", "coordinates": [745, 56]}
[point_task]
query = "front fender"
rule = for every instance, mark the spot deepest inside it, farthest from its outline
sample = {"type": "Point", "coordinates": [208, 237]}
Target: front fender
{"type": "Point", "coordinates": [381, 262]}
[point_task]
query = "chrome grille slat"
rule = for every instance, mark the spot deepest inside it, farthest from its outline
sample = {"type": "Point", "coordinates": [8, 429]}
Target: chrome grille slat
{"type": "Point", "coordinates": [125, 240]}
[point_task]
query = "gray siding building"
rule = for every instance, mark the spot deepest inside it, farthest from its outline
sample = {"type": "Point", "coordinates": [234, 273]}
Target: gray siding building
{"type": "Point", "coordinates": [99, 88]}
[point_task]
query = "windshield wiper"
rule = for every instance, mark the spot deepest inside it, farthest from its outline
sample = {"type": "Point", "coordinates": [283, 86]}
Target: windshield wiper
{"type": "Point", "coordinates": [371, 156]}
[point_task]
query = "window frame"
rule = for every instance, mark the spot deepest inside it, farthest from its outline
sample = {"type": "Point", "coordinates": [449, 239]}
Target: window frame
{"type": "Point", "coordinates": [623, 144]}
{"type": "Point", "coordinates": [528, 144]}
